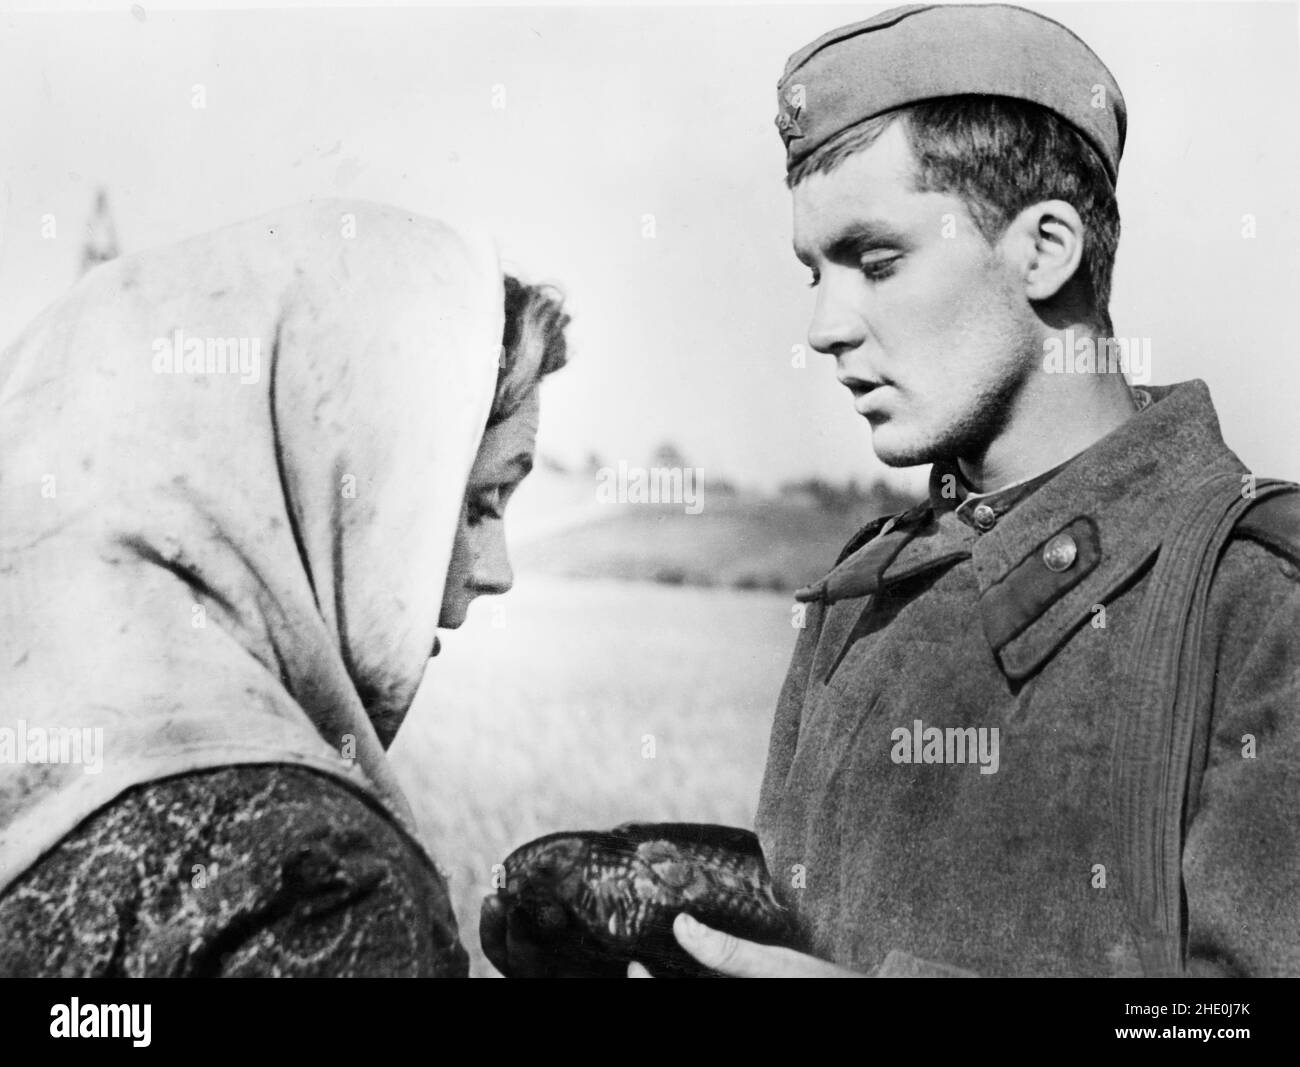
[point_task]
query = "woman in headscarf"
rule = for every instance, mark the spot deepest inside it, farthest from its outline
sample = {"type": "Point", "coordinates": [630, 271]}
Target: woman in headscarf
{"type": "Point", "coordinates": [243, 480]}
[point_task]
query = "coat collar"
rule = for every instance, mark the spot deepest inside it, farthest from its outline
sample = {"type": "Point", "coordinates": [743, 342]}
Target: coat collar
{"type": "Point", "coordinates": [1102, 515]}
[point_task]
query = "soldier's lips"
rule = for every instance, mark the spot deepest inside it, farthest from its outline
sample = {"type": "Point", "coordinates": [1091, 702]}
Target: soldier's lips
{"type": "Point", "coordinates": [861, 387]}
{"type": "Point", "coordinates": [870, 399]}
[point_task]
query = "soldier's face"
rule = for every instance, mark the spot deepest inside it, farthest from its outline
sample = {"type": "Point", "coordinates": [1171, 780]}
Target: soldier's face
{"type": "Point", "coordinates": [929, 326]}
{"type": "Point", "coordinates": [479, 563]}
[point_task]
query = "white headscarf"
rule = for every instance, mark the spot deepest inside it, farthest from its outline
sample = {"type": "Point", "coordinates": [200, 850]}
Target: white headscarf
{"type": "Point", "coordinates": [219, 568]}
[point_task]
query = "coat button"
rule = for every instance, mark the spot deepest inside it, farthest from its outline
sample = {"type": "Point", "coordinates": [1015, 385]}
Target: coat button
{"type": "Point", "coordinates": [1059, 553]}
{"type": "Point", "coordinates": [984, 516]}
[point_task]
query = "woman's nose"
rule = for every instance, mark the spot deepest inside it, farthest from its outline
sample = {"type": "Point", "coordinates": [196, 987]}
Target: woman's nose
{"type": "Point", "coordinates": [492, 573]}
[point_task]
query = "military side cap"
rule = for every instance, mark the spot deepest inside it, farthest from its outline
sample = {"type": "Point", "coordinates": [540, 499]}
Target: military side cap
{"type": "Point", "coordinates": [924, 52]}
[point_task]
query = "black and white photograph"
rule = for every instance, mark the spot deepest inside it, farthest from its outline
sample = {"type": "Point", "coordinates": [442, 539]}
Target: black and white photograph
{"type": "Point", "coordinates": [650, 491]}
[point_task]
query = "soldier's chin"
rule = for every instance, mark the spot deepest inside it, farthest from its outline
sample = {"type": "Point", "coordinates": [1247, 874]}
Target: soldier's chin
{"type": "Point", "coordinates": [894, 447]}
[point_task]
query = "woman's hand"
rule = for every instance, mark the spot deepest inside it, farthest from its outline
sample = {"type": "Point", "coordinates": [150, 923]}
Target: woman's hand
{"type": "Point", "coordinates": [735, 958]}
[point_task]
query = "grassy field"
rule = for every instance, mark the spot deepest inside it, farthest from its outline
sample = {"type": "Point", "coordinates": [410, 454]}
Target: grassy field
{"type": "Point", "coordinates": [542, 714]}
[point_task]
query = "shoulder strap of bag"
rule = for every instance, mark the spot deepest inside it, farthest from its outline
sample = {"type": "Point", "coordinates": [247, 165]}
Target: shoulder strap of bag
{"type": "Point", "coordinates": [1168, 701]}
{"type": "Point", "coordinates": [1275, 522]}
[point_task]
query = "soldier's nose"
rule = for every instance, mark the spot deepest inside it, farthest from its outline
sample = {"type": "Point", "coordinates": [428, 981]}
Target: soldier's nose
{"type": "Point", "coordinates": [835, 328]}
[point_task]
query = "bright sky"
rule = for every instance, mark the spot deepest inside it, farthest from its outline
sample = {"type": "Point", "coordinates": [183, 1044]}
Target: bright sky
{"type": "Point", "coordinates": [614, 114]}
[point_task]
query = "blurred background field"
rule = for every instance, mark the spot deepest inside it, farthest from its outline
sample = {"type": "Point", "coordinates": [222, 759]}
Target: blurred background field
{"type": "Point", "coordinates": [741, 537]}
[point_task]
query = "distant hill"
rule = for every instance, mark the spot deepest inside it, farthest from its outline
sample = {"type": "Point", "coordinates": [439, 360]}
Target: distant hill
{"type": "Point", "coordinates": [738, 539]}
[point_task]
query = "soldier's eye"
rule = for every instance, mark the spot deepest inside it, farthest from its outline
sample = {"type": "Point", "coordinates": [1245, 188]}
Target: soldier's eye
{"type": "Point", "coordinates": [879, 268]}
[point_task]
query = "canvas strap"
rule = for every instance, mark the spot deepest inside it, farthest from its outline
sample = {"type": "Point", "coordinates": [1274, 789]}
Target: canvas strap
{"type": "Point", "coordinates": [1167, 701]}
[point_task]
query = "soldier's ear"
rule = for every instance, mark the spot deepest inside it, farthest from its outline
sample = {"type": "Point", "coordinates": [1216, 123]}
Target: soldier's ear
{"type": "Point", "coordinates": [1046, 240]}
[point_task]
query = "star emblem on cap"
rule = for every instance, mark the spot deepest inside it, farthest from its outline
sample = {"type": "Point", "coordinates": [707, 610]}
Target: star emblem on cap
{"type": "Point", "coordinates": [791, 107]}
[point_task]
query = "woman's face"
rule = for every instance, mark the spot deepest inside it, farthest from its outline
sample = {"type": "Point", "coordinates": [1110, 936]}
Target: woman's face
{"type": "Point", "coordinates": [479, 564]}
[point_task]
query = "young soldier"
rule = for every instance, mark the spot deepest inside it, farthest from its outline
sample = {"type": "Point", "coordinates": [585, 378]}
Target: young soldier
{"type": "Point", "coordinates": [1045, 723]}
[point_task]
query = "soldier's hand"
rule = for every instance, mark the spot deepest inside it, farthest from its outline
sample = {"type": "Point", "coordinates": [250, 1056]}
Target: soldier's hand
{"type": "Point", "coordinates": [735, 958]}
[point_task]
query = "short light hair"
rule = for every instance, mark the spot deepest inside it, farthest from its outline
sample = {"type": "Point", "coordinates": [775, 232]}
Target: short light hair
{"type": "Point", "coordinates": [532, 345]}
{"type": "Point", "coordinates": [999, 156]}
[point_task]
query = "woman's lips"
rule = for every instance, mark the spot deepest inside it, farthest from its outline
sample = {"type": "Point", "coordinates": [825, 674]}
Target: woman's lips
{"type": "Point", "coordinates": [437, 646]}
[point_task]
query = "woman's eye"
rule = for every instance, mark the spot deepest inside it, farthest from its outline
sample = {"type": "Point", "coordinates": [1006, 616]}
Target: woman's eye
{"type": "Point", "coordinates": [486, 504]}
